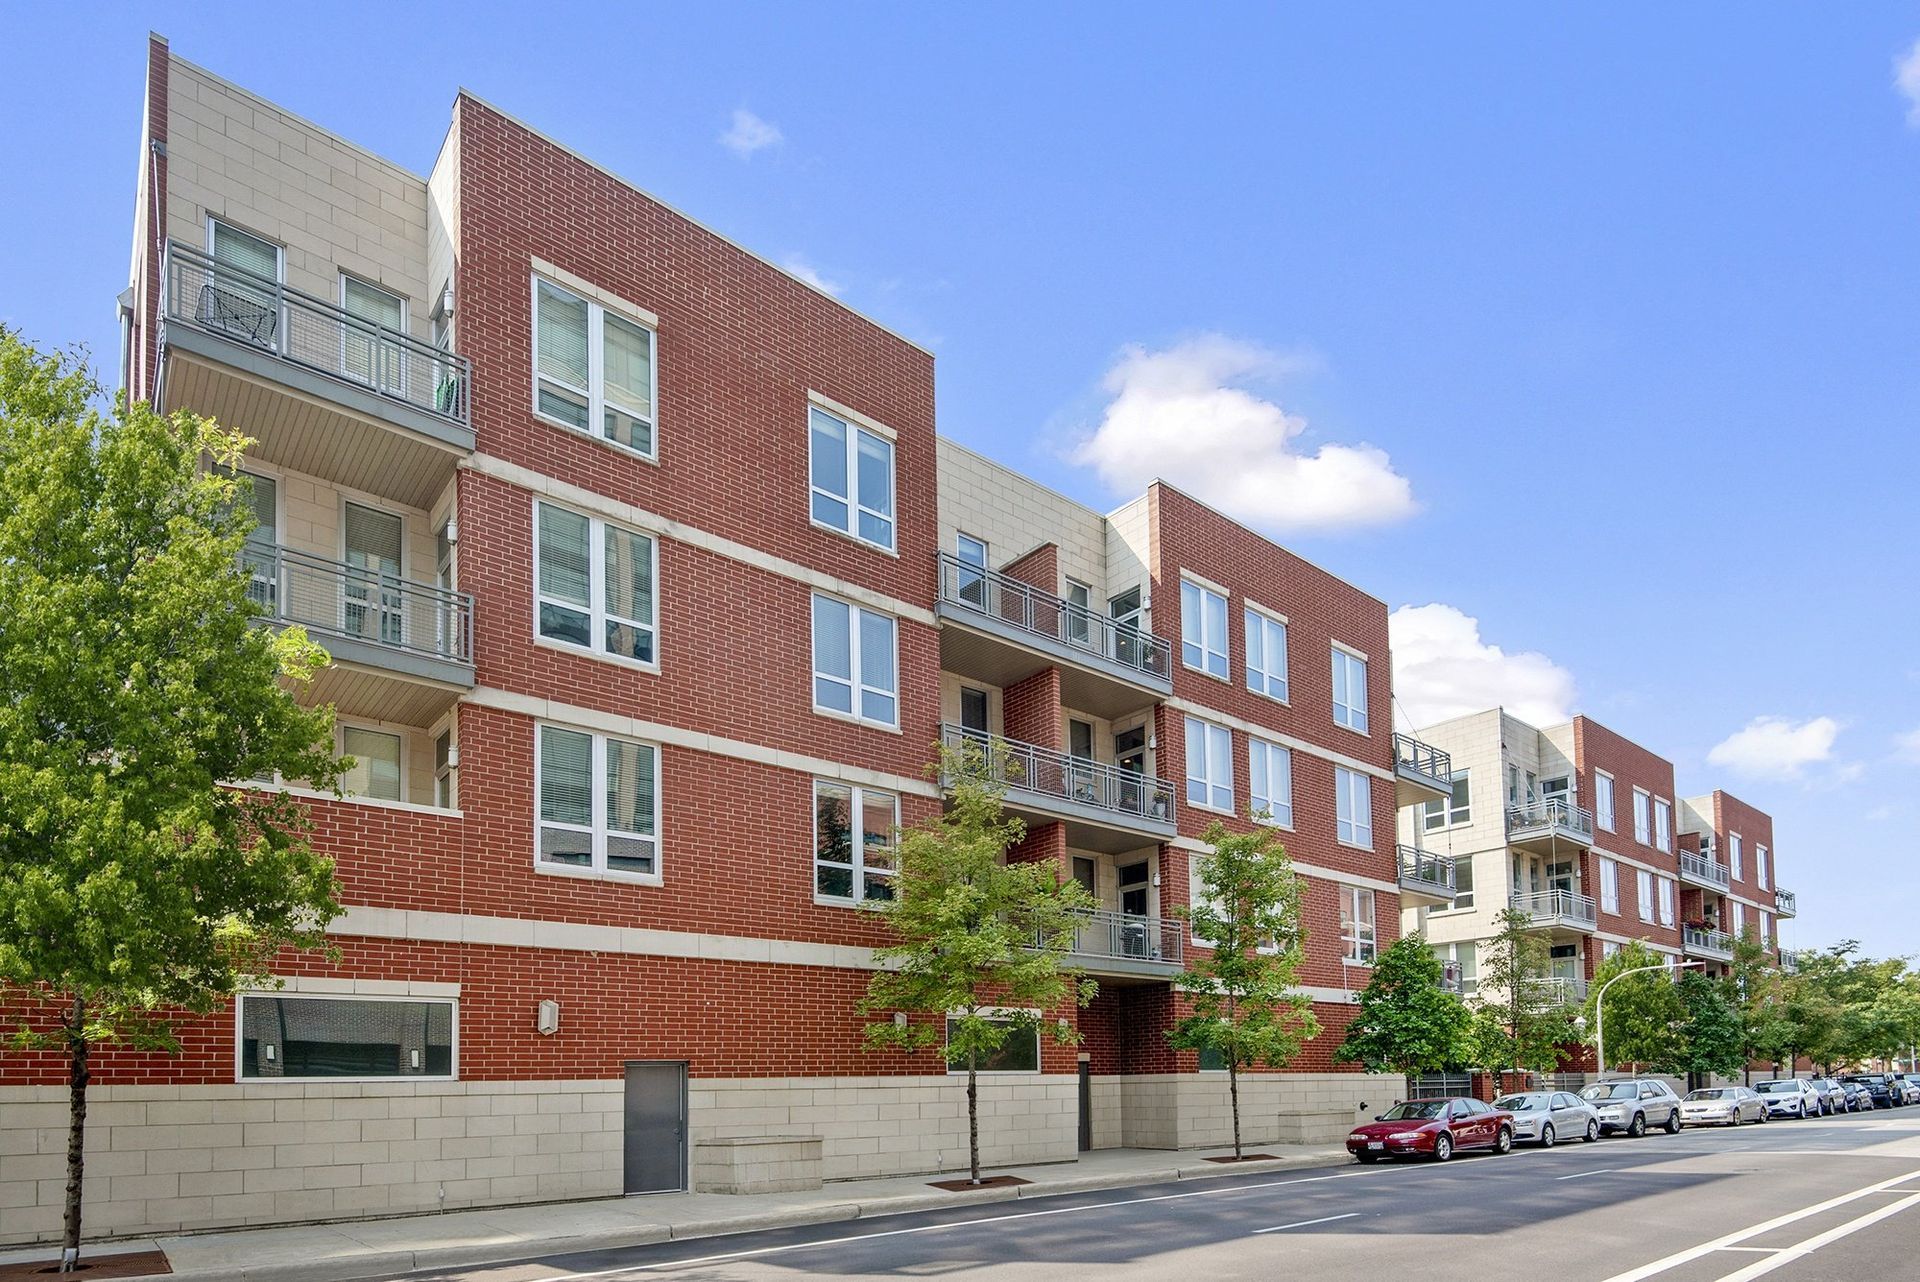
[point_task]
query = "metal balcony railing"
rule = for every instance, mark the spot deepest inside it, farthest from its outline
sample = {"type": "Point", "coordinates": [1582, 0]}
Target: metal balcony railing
{"type": "Point", "coordinates": [297, 327]}
{"type": "Point", "coordinates": [348, 601]}
{"type": "Point", "coordinates": [1414, 757]}
{"type": "Point", "coordinates": [1043, 614]}
{"type": "Point", "coordinates": [1786, 903]}
{"type": "Point", "coordinates": [1426, 868]}
{"type": "Point", "coordinates": [1705, 939]}
{"type": "Point", "coordinates": [1031, 768]}
{"type": "Point", "coordinates": [1453, 978]}
{"type": "Point", "coordinates": [1125, 937]}
{"type": "Point", "coordinates": [1555, 990]}
{"type": "Point", "coordinates": [1552, 812]}
{"type": "Point", "coordinates": [1548, 906]}
{"type": "Point", "coordinates": [1702, 868]}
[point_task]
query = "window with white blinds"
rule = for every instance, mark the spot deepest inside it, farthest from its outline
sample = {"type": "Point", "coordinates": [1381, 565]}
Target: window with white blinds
{"type": "Point", "coordinates": [856, 670]}
{"type": "Point", "coordinates": [1270, 770]}
{"type": "Point", "coordinates": [597, 804]}
{"type": "Point", "coordinates": [594, 584]}
{"type": "Point", "coordinates": [242, 249]}
{"type": "Point", "coordinates": [594, 371]}
{"type": "Point", "coordinates": [372, 354]}
{"type": "Point", "coordinates": [851, 471]}
{"type": "Point", "coordinates": [374, 605]}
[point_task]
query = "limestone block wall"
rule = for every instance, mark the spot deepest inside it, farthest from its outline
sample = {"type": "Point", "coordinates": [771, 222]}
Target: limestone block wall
{"type": "Point", "coordinates": [1194, 1110]}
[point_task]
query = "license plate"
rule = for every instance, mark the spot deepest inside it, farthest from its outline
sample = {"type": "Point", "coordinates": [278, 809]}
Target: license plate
{"type": "Point", "coordinates": [1376, 1144]}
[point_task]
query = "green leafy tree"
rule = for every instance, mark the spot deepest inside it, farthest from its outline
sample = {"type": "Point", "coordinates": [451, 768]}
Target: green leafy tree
{"type": "Point", "coordinates": [1407, 1023]}
{"type": "Point", "coordinates": [982, 944]}
{"type": "Point", "coordinates": [1242, 1003]}
{"type": "Point", "coordinates": [134, 679]}
{"type": "Point", "coordinates": [1753, 985]}
{"type": "Point", "coordinates": [1520, 1022]}
{"type": "Point", "coordinates": [1643, 1011]}
{"type": "Point", "coordinates": [1711, 1037]}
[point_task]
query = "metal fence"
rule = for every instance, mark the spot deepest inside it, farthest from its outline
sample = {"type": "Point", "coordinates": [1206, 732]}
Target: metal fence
{"type": "Point", "coordinates": [1031, 768]}
{"type": "Point", "coordinates": [1126, 937]}
{"type": "Point", "coordinates": [1703, 868]}
{"type": "Point", "coordinates": [345, 600]}
{"type": "Point", "coordinates": [1419, 758]}
{"type": "Point", "coordinates": [1034, 610]}
{"type": "Point", "coordinates": [1706, 939]}
{"type": "Point", "coordinates": [1426, 868]}
{"type": "Point", "coordinates": [1552, 812]}
{"type": "Point", "coordinates": [1551, 904]}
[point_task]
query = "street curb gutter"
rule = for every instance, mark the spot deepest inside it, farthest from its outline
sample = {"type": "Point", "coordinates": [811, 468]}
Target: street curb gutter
{"type": "Point", "coordinates": [389, 1264]}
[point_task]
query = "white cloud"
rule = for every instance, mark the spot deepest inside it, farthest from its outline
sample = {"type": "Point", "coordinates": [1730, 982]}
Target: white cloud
{"type": "Point", "coordinates": [748, 134]}
{"type": "Point", "coordinates": [1906, 79]}
{"type": "Point", "coordinates": [799, 266]}
{"type": "Point", "coordinates": [1777, 748]}
{"type": "Point", "coordinates": [1185, 415]}
{"type": "Point", "coordinates": [1908, 745]}
{"type": "Point", "coordinates": [1442, 669]}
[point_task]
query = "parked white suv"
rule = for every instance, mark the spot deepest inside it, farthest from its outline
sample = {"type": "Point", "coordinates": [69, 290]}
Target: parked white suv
{"type": "Point", "coordinates": [1790, 1097]}
{"type": "Point", "coordinates": [1635, 1105]}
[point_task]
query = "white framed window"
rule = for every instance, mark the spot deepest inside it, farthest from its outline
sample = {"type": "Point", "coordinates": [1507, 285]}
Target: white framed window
{"type": "Point", "coordinates": [1079, 620]}
{"type": "Point", "coordinates": [1456, 808]}
{"type": "Point", "coordinates": [1266, 654]}
{"type": "Point", "coordinates": [853, 842]}
{"type": "Point", "coordinates": [378, 764]}
{"type": "Point", "coordinates": [1766, 927]}
{"type": "Point", "coordinates": [1609, 886]}
{"type": "Point", "coordinates": [593, 585]}
{"type": "Point", "coordinates": [593, 369]}
{"type": "Point", "coordinates": [1642, 817]}
{"type": "Point", "coordinates": [335, 1038]}
{"type": "Point", "coordinates": [367, 355]}
{"type": "Point", "coordinates": [1203, 629]}
{"type": "Point", "coordinates": [1760, 866]}
{"type": "Point", "coordinates": [1736, 917]}
{"type": "Point", "coordinates": [1462, 885]}
{"type": "Point", "coordinates": [597, 800]}
{"type": "Point", "coordinates": [1357, 938]}
{"type": "Point", "coordinates": [1643, 885]}
{"type": "Point", "coordinates": [852, 478]}
{"type": "Point", "coordinates": [1209, 765]}
{"type": "Point", "coordinates": [1734, 860]}
{"type": "Point", "coordinates": [856, 671]}
{"type": "Point", "coordinates": [1608, 947]}
{"type": "Point", "coordinates": [1663, 825]}
{"type": "Point", "coordinates": [1020, 1053]}
{"type": "Point", "coordinates": [232, 247]}
{"type": "Point", "coordinates": [1349, 689]}
{"type": "Point", "coordinates": [446, 772]}
{"type": "Point", "coordinates": [1353, 807]}
{"type": "Point", "coordinates": [1666, 901]}
{"type": "Point", "coordinates": [1603, 799]}
{"type": "Point", "coordinates": [1270, 770]}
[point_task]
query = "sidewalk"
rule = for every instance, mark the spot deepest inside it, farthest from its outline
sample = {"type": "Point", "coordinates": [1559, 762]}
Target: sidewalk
{"type": "Point", "coordinates": [358, 1249]}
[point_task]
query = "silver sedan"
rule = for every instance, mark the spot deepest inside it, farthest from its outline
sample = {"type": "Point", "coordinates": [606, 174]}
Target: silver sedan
{"type": "Point", "coordinates": [1546, 1117]}
{"type": "Point", "coordinates": [1722, 1106]}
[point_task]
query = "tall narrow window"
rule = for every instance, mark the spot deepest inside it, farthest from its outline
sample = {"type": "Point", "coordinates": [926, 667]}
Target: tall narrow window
{"type": "Point", "coordinates": [594, 584]}
{"type": "Point", "coordinates": [594, 371]}
{"type": "Point", "coordinates": [852, 471]}
{"type": "Point", "coordinates": [373, 604]}
{"type": "Point", "coordinates": [1353, 807]}
{"type": "Point", "coordinates": [853, 842]}
{"type": "Point", "coordinates": [1760, 866]}
{"type": "Point", "coordinates": [1356, 924]}
{"type": "Point", "coordinates": [1079, 622]}
{"type": "Point", "coordinates": [372, 350]}
{"type": "Point", "coordinates": [1666, 901]}
{"type": "Point", "coordinates": [1663, 825]}
{"type": "Point", "coordinates": [1270, 769]}
{"type": "Point", "coordinates": [1609, 886]}
{"type": "Point", "coordinates": [1642, 817]}
{"type": "Point", "coordinates": [1209, 765]}
{"type": "Point", "coordinates": [1349, 690]}
{"type": "Point", "coordinates": [445, 786]}
{"type": "Point", "coordinates": [1266, 655]}
{"type": "Point", "coordinates": [260, 555]}
{"type": "Point", "coordinates": [855, 669]}
{"type": "Point", "coordinates": [1203, 629]}
{"type": "Point", "coordinates": [597, 808]}
{"type": "Point", "coordinates": [376, 763]}
{"type": "Point", "coordinates": [1643, 888]}
{"type": "Point", "coordinates": [1733, 856]}
{"type": "Point", "coordinates": [1603, 800]}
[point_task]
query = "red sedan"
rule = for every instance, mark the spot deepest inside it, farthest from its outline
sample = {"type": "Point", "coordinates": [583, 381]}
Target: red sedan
{"type": "Point", "coordinates": [1434, 1128]}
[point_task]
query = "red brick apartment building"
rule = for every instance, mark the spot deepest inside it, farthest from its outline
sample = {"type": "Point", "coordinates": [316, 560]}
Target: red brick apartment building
{"type": "Point", "coordinates": [650, 591]}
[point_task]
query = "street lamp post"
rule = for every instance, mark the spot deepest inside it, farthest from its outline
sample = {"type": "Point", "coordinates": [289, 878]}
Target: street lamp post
{"type": "Point", "coordinates": [1600, 1008]}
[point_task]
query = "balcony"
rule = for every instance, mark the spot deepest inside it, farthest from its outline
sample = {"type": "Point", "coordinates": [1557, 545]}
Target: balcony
{"type": "Point", "coordinates": [1422, 772]}
{"type": "Point", "coordinates": [1111, 943]}
{"type": "Point", "coordinates": [1703, 871]}
{"type": "Point", "coordinates": [1700, 941]}
{"type": "Point", "coordinates": [1003, 631]}
{"type": "Point", "coordinates": [1425, 876]}
{"type": "Point", "coordinates": [1453, 979]}
{"type": "Point", "coordinates": [1549, 826]}
{"type": "Point", "coordinates": [323, 391]}
{"type": "Point", "coordinates": [1561, 910]}
{"type": "Point", "coordinates": [1785, 904]}
{"type": "Point", "coordinates": [1106, 809]}
{"type": "Point", "coordinates": [1554, 991]}
{"type": "Point", "coordinates": [401, 649]}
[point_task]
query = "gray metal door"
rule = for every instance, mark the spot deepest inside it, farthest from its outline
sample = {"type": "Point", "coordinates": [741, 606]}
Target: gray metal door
{"type": "Point", "coordinates": [1086, 1106]}
{"type": "Point", "coordinates": [656, 1131]}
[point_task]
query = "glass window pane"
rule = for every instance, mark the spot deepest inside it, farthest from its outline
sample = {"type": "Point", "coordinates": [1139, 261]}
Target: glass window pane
{"type": "Point", "coordinates": [876, 651]}
{"type": "Point", "coordinates": [875, 480]}
{"type": "Point", "coordinates": [376, 771]}
{"type": "Point", "coordinates": [248, 252]}
{"type": "Point", "coordinates": [1192, 625]}
{"type": "Point", "coordinates": [629, 594]}
{"type": "Point", "coordinates": [314, 1037]}
{"type": "Point", "coordinates": [832, 638]}
{"type": "Point", "coordinates": [566, 846]}
{"type": "Point", "coordinates": [568, 407]}
{"type": "Point", "coordinates": [878, 815]}
{"type": "Point", "coordinates": [561, 624]}
{"type": "Point", "coordinates": [629, 788]}
{"type": "Point", "coordinates": [1216, 607]}
{"type": "Point", "coordinates": [628, 380]}
{"type": "Point", "coordinates": [560, 337]}
{"type": "Point", "coordinates": [833, 823]}
{"type": "Point", "coordinates": [566, 776]}
{"type": "Point", "coordinates": [564, 557]}
{"type": "Point", "coordinates": [828, 469]}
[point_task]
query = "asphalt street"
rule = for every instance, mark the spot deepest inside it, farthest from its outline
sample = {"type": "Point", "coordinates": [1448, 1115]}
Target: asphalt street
{"type": "Point", "coordinates": [1794, 1201]}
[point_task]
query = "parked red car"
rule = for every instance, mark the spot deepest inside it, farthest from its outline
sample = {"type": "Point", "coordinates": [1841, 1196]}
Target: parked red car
{"type": "Point", "coordinates": [1434, 1128]}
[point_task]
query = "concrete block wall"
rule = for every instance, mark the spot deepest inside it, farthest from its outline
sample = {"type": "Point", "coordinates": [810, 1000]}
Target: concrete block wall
{"type": "Point", "coordinates": [1194, 1110]}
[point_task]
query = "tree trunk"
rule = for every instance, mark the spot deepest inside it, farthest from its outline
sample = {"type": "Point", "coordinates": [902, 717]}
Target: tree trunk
{"type": "Point", "coordinates": [973, 1122]}
{"type": "Point", "coordinates": [76, 1131]}
{"type": "Point", "coordinates": [1233, 1092]}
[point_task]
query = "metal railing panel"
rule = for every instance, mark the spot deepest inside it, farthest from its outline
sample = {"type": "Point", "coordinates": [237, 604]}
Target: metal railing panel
{"type": "Point", "coordinates": [1426, 867]}
{"type": "Point", "coordinates": [1420, 758]}
{"type": "Point", "coordinates": [1718, 941]}
{"type": "Point", "coordinates": [1570, 905]}
{"type": "Point", "coordinates": [1127, 937]}
{"type": "Point", "coordinates": [1043, 614]}
{"type": "Point", "coordinates": [345, 600]}
{"type": "Point", "coordinates": [1032, 768]}
{"type": "Point", "coordinates": [1552, 813]}
{"type": "Point", "coordinates": [1702, 867]}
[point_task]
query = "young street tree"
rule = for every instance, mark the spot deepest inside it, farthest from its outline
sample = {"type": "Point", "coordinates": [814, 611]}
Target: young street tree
{"type": "Point", "coordinates": [1520, 1021]}
{"type": "Point", "coordinates": [1711, 1036]}
{"type": "Point", "coordinates": [1643, 1011]}
{"type": "Point", "coordinates": [1407, 1022]}
{"type": "Point", "coordinates": [133, 680]}
{"type": "Point", "coordinates": [1241, 999]}
{"type": "Point", "coordinates": [983, 944]}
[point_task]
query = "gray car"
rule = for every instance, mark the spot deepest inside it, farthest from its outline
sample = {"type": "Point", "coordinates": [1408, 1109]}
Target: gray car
{"type": "Point", "coordinates": [1833, 1096]}
{"type": "Point", "coordinates": [1722, 1106]}
{"type": "Point", "coordinates": [1635, 1105]}
{"type": "Point", "coordinates": [1546, 1117]}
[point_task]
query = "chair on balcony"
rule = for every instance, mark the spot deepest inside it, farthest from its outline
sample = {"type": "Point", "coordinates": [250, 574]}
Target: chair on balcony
{"type": "Point", "coordinates": [237, 314]}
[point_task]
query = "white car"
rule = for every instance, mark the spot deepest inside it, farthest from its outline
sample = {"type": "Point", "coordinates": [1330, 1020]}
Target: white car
{"type": "Point", "coordinates": [1722, 1106]}
{"type": "Point", "coordinates": [1790, 1097]}
{"type": "Point", "coordinates": [1546, 1117]}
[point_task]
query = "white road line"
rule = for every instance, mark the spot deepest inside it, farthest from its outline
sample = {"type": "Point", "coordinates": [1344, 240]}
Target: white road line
{"type": "Point", "coordinates": [1301, 1224]}
{"type": "Point", "coordinates": [1605, 1170]}
{"type": "Point", "coordinates": [1780, 1221]}
{"type": "Point", "coordinates": [1799, 1250]}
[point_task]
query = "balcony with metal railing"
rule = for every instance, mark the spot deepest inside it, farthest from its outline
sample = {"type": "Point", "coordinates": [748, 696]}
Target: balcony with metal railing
{"type": "Point", "coordinates": [1703, 871]}
{"type": "Point", "coordinates": [1704, 941]}
{"type": "Point", "coordinates": [1552, 991]}
{"type": "Point", "coordinates": [1566, 910]}
{"type": "Point", "coordinates": [1106, 808]}
{"type": "Point", "coordinates": [1549, 825]}
{"type": "Point", "coordinates": [322, 390]}
{"type": "Point", "coordinates": [1114, 943]}
{"type": "Point", "coordinates": [1003, 630]}
{"type": "Point", "coordinates": [1425, 876]}
{"type": "Point", "coordinates": [1785, 903]}
{"type": "Point", "coordinates": [1422, 772]}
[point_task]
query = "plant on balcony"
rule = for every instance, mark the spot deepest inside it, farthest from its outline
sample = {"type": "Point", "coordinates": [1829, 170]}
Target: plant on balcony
{"type": "Point", "coordinates": [1408, 1022]}
{"type": "Point", "coordinates": [982, 944]}
{"type": "Point", "coordinates": [1241, 1001]}
{"type": "Point", "coordinates": [135, 889]}
{"type": "Point", "coordinates": [1514, 1028]}
{"type": "Point", "coordinates": [1644, 1011]}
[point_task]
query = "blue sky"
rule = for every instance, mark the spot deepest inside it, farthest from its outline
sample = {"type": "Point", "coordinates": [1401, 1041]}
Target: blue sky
{"type": "Point", "coordinates": [1597, 330]}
